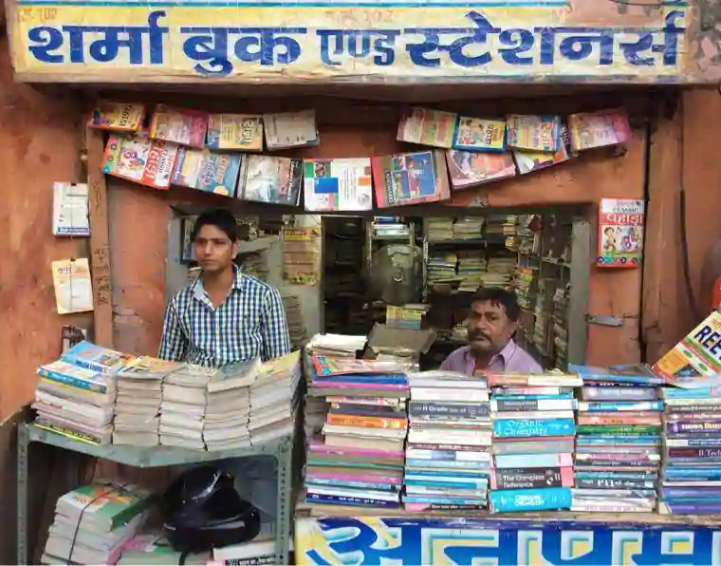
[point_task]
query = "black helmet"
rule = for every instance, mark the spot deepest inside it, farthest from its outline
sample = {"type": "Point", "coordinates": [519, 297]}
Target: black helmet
{"type": "Point", "coordinates": [202, 510]}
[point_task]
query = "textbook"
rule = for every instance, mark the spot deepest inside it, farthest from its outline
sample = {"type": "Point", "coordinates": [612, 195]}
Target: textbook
{"type": "Point", "coordinates": [270, 179]}
{"type": "Point", "coordinates": [480, 134]}
{"type": "Point", "coordinates": [470, 169]}
{"type": "Point", "coordinates": [410, 178]}
{"type": "Point", "coordinates": [427, 127]}
{"type": "Point", "coordinates": [534, 133]}
{"type": "Point", "coordinates": [235, 132]}
{"type": "Point", "coordinates": [118, 116]}
{"type": "Point", "coordinates": [207, 171]}
{"type": "Point", "coordinates": [597, 129]}
{"type": "Point", "coordinates": [337, 184]}
{"type": "Point", "coordinates": [141, 160]}
{"type": "Point", "coordinates": [290, 129]}
{"type": "Point", "coordinates": [181, 126]}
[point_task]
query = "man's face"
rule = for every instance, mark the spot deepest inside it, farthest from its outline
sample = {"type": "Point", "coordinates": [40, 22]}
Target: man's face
{"type": "Point", "coordinates": [489, 328]}
{"type": "Point", "coordinates": [213, 249]}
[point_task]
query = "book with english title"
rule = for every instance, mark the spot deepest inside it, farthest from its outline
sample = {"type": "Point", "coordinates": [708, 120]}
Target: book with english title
{"type": "Point", "coordinates": [410, 178]}
{"type": "Point", "coordinates": [235, 132]}
{"type": "Point", "coordinates": [338, 184]}
{"type": "Point", "coordinates": [207, 171]}
{"type": "Point", "coordinates": [139, 159]}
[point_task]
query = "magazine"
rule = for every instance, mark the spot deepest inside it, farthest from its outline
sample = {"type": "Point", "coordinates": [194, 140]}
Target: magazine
{"type": "Point", "coordinates": [532, 161]}
{"type": "Point", "coordinates": [427, 127]}
{"type": "Point", "coordinates": [470, 168]}
{"type": "Point", "coordinates": [207, 171]}
{"type": "Point", "coordinates": [410, 178]}
{"type": "Point", "coordinates": [598, 129]}
{"type": "Point", "coordinates": [338, 185]}
{"type": "Point", "coordinates": [141, 160]}
{"type": "Point", "coordinates": [274, 180]}
{"type": "Point", "coordinates": [119, 116]}
{"type": "Point", "coordinates": [479, 134]}
{"type": "Point", "coordinates": [620, 233]}
{"type": "Point", "coordinates": [534, 133]}
{"type": "Point", "coordinates": [184, 127]}
{"type": "Point", "coordinates": [239, 132]}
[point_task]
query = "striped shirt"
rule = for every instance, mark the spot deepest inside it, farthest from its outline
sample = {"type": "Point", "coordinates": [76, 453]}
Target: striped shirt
{"type": "Point", "coordinates": [249, 323]}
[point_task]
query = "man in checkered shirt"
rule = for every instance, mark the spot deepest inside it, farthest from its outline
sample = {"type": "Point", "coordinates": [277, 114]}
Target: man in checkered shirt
{"type": "Point", "coordinates": [224, 316]}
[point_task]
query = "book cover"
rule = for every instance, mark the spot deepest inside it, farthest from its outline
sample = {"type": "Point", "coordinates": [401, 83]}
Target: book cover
{"type": "Point", "coordinates": [70, 209]}
{"type": "Point", "coordinates": [235, 132]}
{"type": "Point", "coordinates": [427, 127]}
{"type": "Point", "coordinates": [97, 358]}
{"type": "Point", "coordinates": [534, 132]}
{"type": "Point", "coordinates": [269, 179]}
{"type": "Point", "coordinates": [73, 285]}
{"type": "Point", "coordinates": [620, 233]}
{"type": "Point", "coordinates": [509, 500]}
{"type": "Point", "coordinates": [598, 129]}
{"type": "Point", "coordinates": [141, 160]}
{"type": "Point", "coordinates": [338, 185]}
{"type": "Point", "coordinates": [410, 178]}
{"type": "Point", "coordinates": [696, 360]}
{"type": "Point", "coordinates": [118, 116]}
{"type": "Point", "coordinates": [531, 161]}
{"type": "Point", "coordinates": [181, 126]}
{"type": "Point", "coordinates": [290, 129]}
{"type": "Point", "coordinates": [632, 374]}
{"type": "Point", "coordinates": [470, 169]}
{"type": "Point", "coordinates": [113, 504]}
{"type": "Point", "coordinates": [63, 372]}
{"type": "Point", "coordinates": [480, 134]}
{"type": "Point", "coordinates": [207, 171]}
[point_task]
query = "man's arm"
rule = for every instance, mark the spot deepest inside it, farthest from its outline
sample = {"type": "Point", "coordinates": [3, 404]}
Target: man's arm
{"type": "Point", "coordinates": [173, 343]}
{"type": "Point", "coordinates": [274, 327]}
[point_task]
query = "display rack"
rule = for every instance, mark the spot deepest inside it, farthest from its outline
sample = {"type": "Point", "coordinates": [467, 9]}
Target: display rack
{"type": "Point", "coordinates": [155, 457]}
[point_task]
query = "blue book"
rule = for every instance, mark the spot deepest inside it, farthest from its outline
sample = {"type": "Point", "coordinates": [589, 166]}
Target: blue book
{"type": "Point", "coordinates": [69, 374]}
{"type": "Point", "coordinates": [103, 360]}
{"type": "Point", "coordinates": [622, 374]}
{"type": "Point", "coordinates": [543, 499]}
{"type": "Point", "coordinates": [480, 474]}
{"type": "Point", "coordinates": [527, 428]}
{"type": "Point", "coordinates": [432, 482]}
{"type": "Point", "coordinates": [619, 406]}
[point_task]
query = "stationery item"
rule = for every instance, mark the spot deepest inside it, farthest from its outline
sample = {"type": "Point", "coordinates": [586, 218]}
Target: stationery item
{"type": "Point", "coordinates": [207, 171]}
{"type": "Point", "coordinates": [70, 209]}
{"type": "Point", "coordinates": [290, 129]}
{"type": "Point", "coordinates": [534, 133]}
{"type": "Point", "coordinates": [141, 160]}
{"type": "Point", "coordinates": [181, 126]}
{"type": "Point", "coordinates": [427, 127]}
{"type": "Point", "coordinates": [620, 233]}
{"type": "Point", "coordinates": [480, 134]}
{"type": "Point", "coordinates": [73, 286]}
{"type": "Point", "coordinates": [338, 185]}
{"type": "Point", "coordinates": [235, 132]}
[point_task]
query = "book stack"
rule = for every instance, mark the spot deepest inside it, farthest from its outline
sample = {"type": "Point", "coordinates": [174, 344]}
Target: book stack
{"type": "Point", "coordinates": [294, 317]}
{"type": "Point", "coordinates": [500, 270]}
{"type": "Point", "coordinates": [618, 448]}
{"type": "Point", "coordinates": [75, 395]}
{"type": "Point", "coordinates": [92, 523]}
{"type": "Point", "coordinates": [471, 269]}
{"type": "Point", "coordinates": [561, 306]}
{"type": "Point", "coordinates": [359, 462]}
{"type": "Point", "coordinates": [468, 228]}
{"type": "Point", "coordinates": [533, 440]}
{"type": "Point", "coordinates": [137, 406]}
{"type": "Point", "coordinates": [447, 456]}
{"type": "Point", "coordinates": [274, 399]}
{"type": "Point", "coordinates": [442, 267]}
{"type": "Point", "coordinates": [439, 229]}
{"type": "Point", "coordinates": [153, 549]}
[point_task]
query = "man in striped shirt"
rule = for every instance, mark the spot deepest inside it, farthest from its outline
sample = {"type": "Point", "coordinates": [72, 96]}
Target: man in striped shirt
{"type": "Point", "coordinates": [224, 316]}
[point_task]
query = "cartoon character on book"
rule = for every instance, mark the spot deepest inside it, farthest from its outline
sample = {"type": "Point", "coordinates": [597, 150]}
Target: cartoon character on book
{"type": "Point", "coordinates": [609, 240]}
{"type": "Point", "coordinates": [421, 181]}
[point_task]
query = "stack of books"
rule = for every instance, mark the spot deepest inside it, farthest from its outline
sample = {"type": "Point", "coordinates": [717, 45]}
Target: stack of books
{"type": "Point", "coordinates": [274, 399]}
{"type": "Point", "coordinates": [442, 267]}
{"type": "Point", "coordinates": [471, 269]}
{"type": "Point", "coordinates": [691, 481]}
{"type": "Point", "coordinates": [618, 448]}
{"type": "Point", "coordinates": [447, 456]}
{"type": "Point", "coordinates": [93, 522]}
{"type": "Point", "coordinates": [439, 229]}
{"type": "Point", "coordinates": [359, 460]}
{"type": "Point", "coordinates": [153, 549]}
{"type": "Point", "coordinates": [533, 438]}
{"type": "Point", "coordinates": [294, 317]}
{"type": "Point", "coordinates": [468, 228]}
{"type": "Point", "coordinates": [137, 406]}
{"type": "Point", "coordinates": [525, 282]}
{"type": "Point", "coordinates": [500, 270]}
{"type": "Point", "coordinates": [75, 395]}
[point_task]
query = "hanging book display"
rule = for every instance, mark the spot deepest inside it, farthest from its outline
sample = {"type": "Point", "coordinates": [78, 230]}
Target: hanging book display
{"type": "Point", "coordinates": [269, 179]}
{"type": "Point", "coordinates": [207, 171]}
{"type": "Point", "coordinates": [338, 185]}
{"type": "Point", "coordinates": [427, 127]}
{"type": "Point", "coordinates": [534, 133]}
{"type": "Point", "coordinates": [118, 116]}
{"type": "Point", "coordinates": [532, 161]}
{"type": "Point", "coordinates": [479, 134]}
{"type": "Point", "coordinates": [73, 286]}
{"type": "Point", "coordinates": [290, 129]}
{"type": "Point", "coordinates": [469, 169]}
{"type": "Point", "coordinates": [598, 129]}
{"type": "Point", "coordinates": [620, 233]}
{"type": "Point", "coordinates": [141, 160]}
{"type": "Point", "coordinates": [184, 127]}
{"type": "Point", "coordinates": [70, 209]}
{"type": "Point", "coordinates": [235, 132]}
{"type": "Point", "coordinates": [410, 178]}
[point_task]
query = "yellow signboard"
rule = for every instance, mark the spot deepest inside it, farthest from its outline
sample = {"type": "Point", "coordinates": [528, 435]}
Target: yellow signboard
{"type": "Point", "coordinates": [353, 41]}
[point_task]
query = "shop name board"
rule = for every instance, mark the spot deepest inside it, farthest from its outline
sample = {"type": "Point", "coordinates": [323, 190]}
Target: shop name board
{"type": "Point", "coordinates": [276, 42]}
{"type": "Point", "coordinates": [436, 542]}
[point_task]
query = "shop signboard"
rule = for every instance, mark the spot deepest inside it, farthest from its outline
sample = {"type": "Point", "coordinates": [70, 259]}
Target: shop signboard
{"type": "Point", "coordinates": [353, 41]}
{"type": "Point", "coordinates": [552, 542]}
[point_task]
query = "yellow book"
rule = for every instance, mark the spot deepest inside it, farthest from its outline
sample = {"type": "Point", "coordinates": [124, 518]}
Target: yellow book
{"type": "Point", "coordinates": [240, 132]}
{"type": "Point", "coordinates": [119, 116]}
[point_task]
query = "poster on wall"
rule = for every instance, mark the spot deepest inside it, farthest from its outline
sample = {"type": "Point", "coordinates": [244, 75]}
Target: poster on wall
{"type": "Point", "coordinates": [301, 255]}
{"type": "Point", "coordinates": [620, 233]}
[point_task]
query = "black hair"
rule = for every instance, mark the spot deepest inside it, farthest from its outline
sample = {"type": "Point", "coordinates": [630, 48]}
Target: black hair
{"type": "Point", "coordinates": [221, 218]}
{"type": "Point", "coordinates": [498, 296]}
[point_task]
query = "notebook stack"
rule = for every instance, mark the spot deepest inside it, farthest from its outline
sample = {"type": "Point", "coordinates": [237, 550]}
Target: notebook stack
{"type": "Point", "coordinates": [447, 455]}
{"type": "Point", "coordinates": [533, 438]}
{"type": "Point", "coordinates": [618, 448]}
{"type": "Point", "coordinates": [75, 395]}
{"type": "Point", "coordinates": [691, 481]}
{"type": "Point", "coordinates": [93, 522]}
{"type": "Point", "coordinates": [274, 399]}
{"type": "Point", "coordinates": [140, 394]}
{"type": "Point", "coordinates": [359, 462]}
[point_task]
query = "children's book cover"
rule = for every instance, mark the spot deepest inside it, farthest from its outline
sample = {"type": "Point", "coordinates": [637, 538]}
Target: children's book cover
{"type": "Point", "coordinates": [119, 116]}
{"type": "Point", "coordinates": [427, 127]}
{"type": "Point", "coordinates": [235, 132]}
{"type": "Point", "coordinates": [469, 168]}
{"type": "Point", "coordinates": [290, 129]}
{"type": "Point", "coordinates": [620, 233]}
{"type": "Point", "coordinates": [534, 133]}
{"type": "Point", "coordinates": [338, 185]}
{"type": "Point", "coordinates": [532, 161]}
{"type": "Point", "coordinates": [274, 180]}
{"type": "Point", "coordinates": [207, 171]}
{"type": "Point", "coordinates": [181, 126]}
{"type": "Point", "coordinates": [410, 178]}
{"type": "Point", "coordinates": [480, 134]}
{"type": "Point", "coordinates": [598, 129]}
{"type": "Point", "coordinates": [141, 160]}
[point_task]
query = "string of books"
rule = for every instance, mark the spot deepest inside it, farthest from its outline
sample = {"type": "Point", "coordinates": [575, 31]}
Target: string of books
{"type": "Point", "coordinates": [219, 153]}
{"type": "Point", "coordinates": [102, 396]}
{"type": "Point", "coordinates": [626, 438]}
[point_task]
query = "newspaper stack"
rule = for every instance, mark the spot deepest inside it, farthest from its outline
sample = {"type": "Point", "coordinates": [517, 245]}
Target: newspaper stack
{"type": "Point", "coordinates": [93, 523]}
{"type": "Point", "coordinates": [226, 414]}
{"type": "Point", "coordinates": [274, 399]}
{"type": "Point", "coordinates": [75, 395]}
{"type": "Point", "coordinates": [182, 411]}
{"type": "Point", "coordinates": [137, 407]}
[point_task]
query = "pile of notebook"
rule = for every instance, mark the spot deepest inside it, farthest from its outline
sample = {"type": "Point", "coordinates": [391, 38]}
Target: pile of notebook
{"type": "Point", "coordinates": [359, 460]}
{"type": "Point", "coordinates": [533, 439]}
{"type": "Point", "coordinates": [92, 523]}
{"type": "Point", "coordinates": [75, 395]}
{"type": "Point", "coordinates": [447, 455]}
{"type": "Point", "coordinates": [618, 448]}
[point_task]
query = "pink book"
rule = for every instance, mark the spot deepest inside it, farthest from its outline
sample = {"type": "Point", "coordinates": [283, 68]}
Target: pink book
{"type": "Point", "coordinates": [338, 384]}
{"type": "Point", "coordinates": [352, 477]}
{"type": "Point", "coordinates": [598, 129]}
{"type": "Point", "coordinates": [318, 446]}
{"type": "Point", "coordinates": [181, 126]}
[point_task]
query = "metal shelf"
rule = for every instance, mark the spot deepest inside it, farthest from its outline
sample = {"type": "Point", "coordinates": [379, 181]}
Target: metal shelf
{"type": "Point", "coordinates": [154, 457]}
